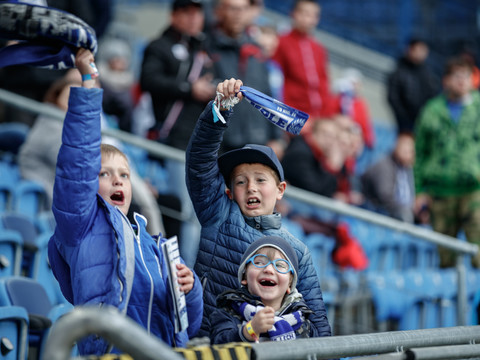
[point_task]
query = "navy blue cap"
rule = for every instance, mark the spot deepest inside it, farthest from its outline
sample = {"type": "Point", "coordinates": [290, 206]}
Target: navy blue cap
{"type": "Point", "coordinates": [276, 242]}
{"type": "Point", "coordinates": [249, 154]}
{"type": "Point", "coordinates": [177, 4]}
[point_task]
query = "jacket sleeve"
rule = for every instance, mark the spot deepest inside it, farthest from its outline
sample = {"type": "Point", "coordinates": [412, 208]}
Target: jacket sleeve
{"type": "Point", "coordinates": [225, 327]}
{"type": "Point", "coordinates": [194, 301]}
{"type": "Point", "coordinates": [309, 286]}
{"type": "Point", "coordinates": [205, 184]}
{"type": "Point", "coordinates": [78, 165]}
{"type": "Point", "coordinates": [395, 99]}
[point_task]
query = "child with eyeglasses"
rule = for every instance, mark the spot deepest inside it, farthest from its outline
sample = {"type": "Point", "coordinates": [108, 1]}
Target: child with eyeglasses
{"type": "Point", "coordinates": [267, 306]}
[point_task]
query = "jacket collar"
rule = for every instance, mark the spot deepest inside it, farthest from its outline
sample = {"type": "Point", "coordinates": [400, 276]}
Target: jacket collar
{"type": "Point", "coordinates": [265, 222]}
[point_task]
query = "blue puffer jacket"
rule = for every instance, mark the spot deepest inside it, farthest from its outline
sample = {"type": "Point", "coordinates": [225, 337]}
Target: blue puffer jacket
{"type": "Point", "coordinates": [95, 253]}
{"type": "Point", "coordinates": [226, 233]}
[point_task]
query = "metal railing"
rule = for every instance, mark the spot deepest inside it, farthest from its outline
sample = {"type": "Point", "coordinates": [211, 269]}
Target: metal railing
{"type": "Point", "coordinates": [461, 247]}
{"type": "Point", "coordinates": [130, 338]}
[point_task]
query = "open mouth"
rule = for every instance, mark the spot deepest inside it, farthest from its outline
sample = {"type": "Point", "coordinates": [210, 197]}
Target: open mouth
{"type": "Point", "coordinates": [253, 201]}
{"type": "Point", "coordinates": [267, 282]}
{"type": "Point", "coordinates": [117, 197]}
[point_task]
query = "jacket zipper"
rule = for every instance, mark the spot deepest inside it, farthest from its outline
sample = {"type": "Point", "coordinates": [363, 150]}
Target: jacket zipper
{"type": "Point", "coordinates": [150, 302]}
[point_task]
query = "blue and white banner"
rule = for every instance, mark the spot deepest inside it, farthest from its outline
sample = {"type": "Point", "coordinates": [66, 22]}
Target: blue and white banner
{"type": "Point", "coordinates": [280, 114]}
{"type": "Point", "coordinates": [47, 37]}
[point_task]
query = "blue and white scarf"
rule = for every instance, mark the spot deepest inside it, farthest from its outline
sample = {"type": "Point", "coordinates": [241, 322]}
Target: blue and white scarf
{"type": "Point", "coordinates": [48, 37]}
{"type": "Point", "coordinates": [284, 327]}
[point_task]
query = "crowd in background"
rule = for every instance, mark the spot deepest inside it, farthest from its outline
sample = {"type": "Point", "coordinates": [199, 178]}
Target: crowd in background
{"type": "Point", "coordinates": [205, 42]}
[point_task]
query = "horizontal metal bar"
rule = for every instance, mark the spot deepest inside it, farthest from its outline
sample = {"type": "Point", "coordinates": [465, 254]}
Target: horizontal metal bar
{"type": "Point", "coordinates": [365, 344]}
{"type": "Point", "coordinates": [108, 323]}
{"type": "Point", "coordinates": [432, 353]}
{"type": "Point", "coordinates": [168, 152]}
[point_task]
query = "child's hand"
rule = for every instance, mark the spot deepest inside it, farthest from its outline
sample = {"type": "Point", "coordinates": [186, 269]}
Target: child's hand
{"type": "Point", "coordinates": [230, 88]}
{"type": "Point", "coordinates": [263, 320]}
{"type": "Point", "coordinates": [185, 278]}
{"type": "Point", "coordinates": [83, 61]}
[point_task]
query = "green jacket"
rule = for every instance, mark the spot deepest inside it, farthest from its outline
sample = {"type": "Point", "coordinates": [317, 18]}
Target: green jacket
{"type": "Point", "coordinates": [447, 153]}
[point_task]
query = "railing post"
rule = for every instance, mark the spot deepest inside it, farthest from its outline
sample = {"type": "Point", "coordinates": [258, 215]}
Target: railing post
{"type": "Point", "coordinates": [461, 290]}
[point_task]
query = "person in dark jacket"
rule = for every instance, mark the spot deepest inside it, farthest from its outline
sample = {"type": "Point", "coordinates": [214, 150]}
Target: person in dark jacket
{"type": "Point", "coordinates": [176, 71]}
{"type": "Point", "coordinates": [267, 306]}
{"type": "Point", "coordinates": [234, 197]}
{"type": "Point", "coordinates": [411, 84]}
{"type": "Point", "coordinates": [96, 255]}
{"type": "Point", "coordinates": [236, 55]}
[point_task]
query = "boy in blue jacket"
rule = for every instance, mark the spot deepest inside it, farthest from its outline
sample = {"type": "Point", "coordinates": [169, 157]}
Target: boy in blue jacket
{"type": "Point", "coordinates": [267, 307]}
{"type": "Point", "coordinates": [234, 197]}
{"type": "Point", "coordinates": [97, 256]}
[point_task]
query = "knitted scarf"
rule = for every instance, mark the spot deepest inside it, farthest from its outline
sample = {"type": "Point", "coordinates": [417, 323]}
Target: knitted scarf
{"type": "Point", "coordinates": [284, 327]}
{"type": "Point", "coordinates": [47, 37]}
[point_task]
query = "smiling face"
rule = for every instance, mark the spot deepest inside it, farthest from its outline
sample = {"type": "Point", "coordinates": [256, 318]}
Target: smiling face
{"type": "Point", "coordinates": [256, 189]}
{"type": "Point", "coordinates": [267, 283]}
{"type": "Point", "coordinates": [114, 181]}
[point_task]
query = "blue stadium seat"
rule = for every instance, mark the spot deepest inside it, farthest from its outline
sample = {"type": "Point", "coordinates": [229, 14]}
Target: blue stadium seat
{"type": "Point", "coordinates": [389, 296]}
{"type": "Point", "coordinates": [25, 226]}
{"type": "Point", "coordinates": [12, 136]}
{"type": "Point", "coordinates": [29, 294]}
{"type": "Point", "coordinates": [11, 245]}
{"type": "Point", "coordinates": [29, 198]}
{"type": "Point", "coordinates": [13, 333]}
{"type": "Point", "coordinates": [415, 294]}
{"type": "Point", "coordinates": [448, 301]}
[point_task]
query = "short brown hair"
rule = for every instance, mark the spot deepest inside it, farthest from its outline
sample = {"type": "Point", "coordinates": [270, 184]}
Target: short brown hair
{"type": "Point", "coordinates": [110, 150]}
{"type": "Point", "coordinates": [455, 63]}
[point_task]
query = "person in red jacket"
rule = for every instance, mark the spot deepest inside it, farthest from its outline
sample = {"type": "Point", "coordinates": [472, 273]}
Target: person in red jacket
{"type": "Point", "coordinates": [304, 62]}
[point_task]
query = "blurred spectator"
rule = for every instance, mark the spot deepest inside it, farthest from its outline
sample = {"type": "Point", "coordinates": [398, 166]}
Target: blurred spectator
{"type": "Point", "coordinates": [117, 80]}
{"type": "Point", "coordinates": [447, 170]}
{"type": "Point", "coordinates": [315, 161]}
{"type": "Point", "coordinates": [304, 62]}
{"type": "Point", "coordinates": [175, 71]}
{"type": "Point", "coordinates": [38, 154]}
{"type": "Point", "coordinates": [267, 37]}
{"type": "Point", "coordinates": [348, 100]}
{"type": "Point", "coordinates": [411, 84]}
{"type": "Point", "coordinates": [235, 54]}
{"type": "Point", "coordinates": [388, 184]}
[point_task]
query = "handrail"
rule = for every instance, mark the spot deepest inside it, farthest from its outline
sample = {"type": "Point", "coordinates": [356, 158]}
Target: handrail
{"type": "Point", "coordinates": [365, 344]}
{"type": "Point", "coordinates": [132, 339]}
{"type": "Point", "coordinates": [432, 353]}
{"type": "Point", "coordinates": [111, 325]}
{"type": "Point", "coordinates": [168, 152]}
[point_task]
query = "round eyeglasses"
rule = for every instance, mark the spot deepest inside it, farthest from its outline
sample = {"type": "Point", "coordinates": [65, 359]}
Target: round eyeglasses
{"type": "Point", "coordinates": [262, 261]}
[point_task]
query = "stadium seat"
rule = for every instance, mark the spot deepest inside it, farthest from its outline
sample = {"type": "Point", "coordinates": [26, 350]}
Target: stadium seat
{"type": "Point", "coordinates": [27, 229]}
{"type": "Point", "coordinates": [11, 245]}
{"type": "Point", "coordinates": [13, 333]}
{"type": "Point", "coordinates": [29, 294]}
{"type": "Point", "coordinates": [29, 198]}
{"type": "Point", "coordinates": [12, 136]}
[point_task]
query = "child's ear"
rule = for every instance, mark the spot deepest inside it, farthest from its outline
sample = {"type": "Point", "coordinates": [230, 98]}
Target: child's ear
{"type": "Point", "coordinates": [288, 290]}
{"type": "Point", "coordinates": [229, 193]}
{"type": "Point", "coordinates": [281, 189]}
{"type": "Point", "coordinates": [243, 282]}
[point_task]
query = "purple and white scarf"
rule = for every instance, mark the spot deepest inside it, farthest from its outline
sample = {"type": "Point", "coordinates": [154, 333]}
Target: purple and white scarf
{"type": "Point", "coordinates": [284, 327]}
